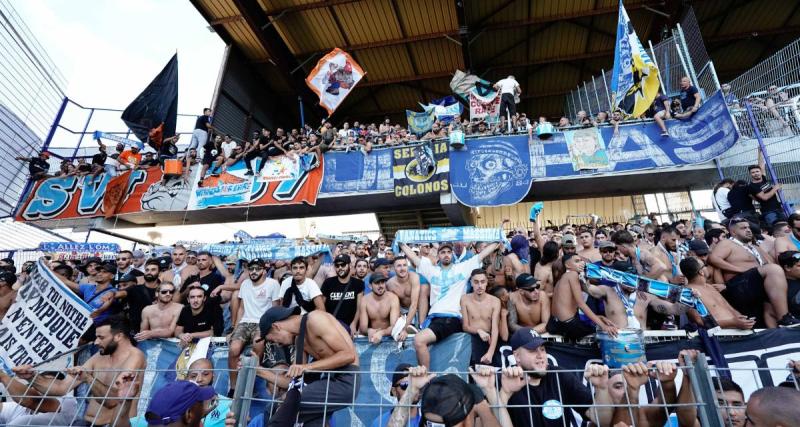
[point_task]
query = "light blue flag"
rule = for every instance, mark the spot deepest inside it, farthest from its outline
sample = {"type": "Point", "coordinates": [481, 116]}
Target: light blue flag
{"type": "Point", "coordinates": [420, 122]}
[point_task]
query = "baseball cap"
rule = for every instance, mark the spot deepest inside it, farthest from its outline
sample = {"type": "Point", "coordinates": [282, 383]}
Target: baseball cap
{"type": "Point", "coordinates": [173, 400]}
{"type": "Point", "coordinates": [400, 372]}
{"type": "Point", "coordinates": [128, 277]}
{"type": "Point", "coordinates": [8, 277]}
{"type": "Point", "coordinates": [699, 247]}
{"type": "Point", "coordinates": [108, 267]}
{"type": "Point", "coordinates": [342, 259]}
{"type": "Point", "coordinates": [90, 260]}
{"type": "Point", "coordinates": [449, 397]}
{"type": "Point", "coordinates": [446, 245]}
{"type": "Point", "coordinates": [274, 314]}
{"type": "Point", "coordinates": [378, 277]}
{"type": "Point", "coordinates": [526, 338]}
{"type": "Point", "coordinates": [164, 262]}
{"type": "Point", "coordinates": [138, 254]}
{"type": "Point", "coordinates": [526, 281]}
{"type": "Point", "coordinates": [606, 244]}
{"type": "Point", "coordinates": [256, 261]}
{"type": "Point", "coordinates": [381, 261]}
{"type": "Point", "coordinates": [568, 240]}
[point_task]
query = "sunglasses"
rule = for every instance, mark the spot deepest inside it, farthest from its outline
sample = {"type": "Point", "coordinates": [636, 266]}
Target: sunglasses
{"type": "Point", "coordinates": [166, 292]}
{"type": "Point", "coordinates": [254, 269]}
{"type": "Point", "coordinates": [403, 385]}
{"type": "Point", "coordinates": [604, 250]}
{"type": "Point", "coordinates": [651, 234]}
{"type": "Point", "coordinates": [531, 288]}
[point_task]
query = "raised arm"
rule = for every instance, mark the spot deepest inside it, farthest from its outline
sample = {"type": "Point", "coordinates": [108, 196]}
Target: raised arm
{"type": "Point", "coordinates": [487, 250]}
{"type": "Point", "coordinates": [411, 255]}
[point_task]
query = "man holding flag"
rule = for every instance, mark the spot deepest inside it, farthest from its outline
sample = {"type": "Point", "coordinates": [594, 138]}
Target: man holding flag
{"type": "Point", "coordinates": [634, 81]}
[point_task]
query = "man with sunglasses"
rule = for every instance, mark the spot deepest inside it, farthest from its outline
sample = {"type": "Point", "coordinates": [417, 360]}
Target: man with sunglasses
{"type": "Point", "coordinates": [258, 293]}
{"type": "Point", "coordinates": [400, 383]}
{"type": "Point", "coordinates": [159, 319]}
{"type": "Point", "coordinates": [751, 279]}
{"type": "Point", "coordinates": [343, 293]}
{"type": "Point", "coordinates": [528, 306]}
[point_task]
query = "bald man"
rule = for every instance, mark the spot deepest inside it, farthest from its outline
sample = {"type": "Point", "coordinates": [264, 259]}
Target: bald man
{"type": "Point", "coordinates": [774, 407]}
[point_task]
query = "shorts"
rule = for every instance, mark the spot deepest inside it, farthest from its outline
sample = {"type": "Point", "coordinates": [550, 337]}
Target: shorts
{"type": "Point", "coordinates": [208, 159]}
{"type": "Point", "coordinates": [572, 329]}
{"type": "Point", "coordinates": [745, 292]}
{"type": "Point", "coordinates": [479, 348]}
{"type": "Point", "coordinates": [443, 327]}
{"type": "Point", "coordinates": [246, 332]}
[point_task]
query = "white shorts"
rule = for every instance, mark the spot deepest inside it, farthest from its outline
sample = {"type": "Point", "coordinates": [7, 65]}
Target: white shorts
{"type": "Point", "coordinates": [199, 137]}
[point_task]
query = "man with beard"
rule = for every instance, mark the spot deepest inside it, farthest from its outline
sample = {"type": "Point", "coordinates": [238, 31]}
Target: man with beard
{"type": "Point", "coordinates": [666, 251]}
{"type": "Point", "coordinates": [682, 243]}
{"type": "Point", "coordinates": [646, 264]}
{"type": "Point", "coordinates": [405, 284]}
{"type": "Point", "coordinates": [379, 310]}
{"type": "Point", "coordinates": [116, 358]}
{"type": "Point", "coordinates": [725, 315]}
{"type": "Point", "coordinates": [328, 344]}
{"type": "Point", "coordinates": [300, 290]}
{"type": "Point", "coordinates": [447, 283]}
{"type": "Point", "coordinates": [750, 279]}
{"type": "Point", "coordinates": [399, 385]}
{"type": "Point", "coordinates": [7, 292]}
{"type": "Point", "coordinates": [361, 269]}
{"type": "Point", "coordinates": [343, 293]}
{"type": "Point", "coordinates": [534, 396]}
{"type": "Point", "coordinates": [790, 263]}
{"type": "Point", "coordinates": [100, 295]}
{"type": "Point", "coordinates": [159, 319]}
{"type": "Point", "coordinates": [257, 294]}
{"type": "Point", "coordinates": [196, 319]}
{"type": "Point", "coordinates": [125, 265]}
{"type": "Point", "coordinates": [528, 306]}
{"type": "Point", "coordinates": [480, 317]}
{"type": "Point", "coordinates": [587, 249]}
{"type": "Point", "coordinates": [213, 276]}
{"type": "Point", "coordinates": [137, 297]}
{"type": "Point", "coordinates": [791, 241]}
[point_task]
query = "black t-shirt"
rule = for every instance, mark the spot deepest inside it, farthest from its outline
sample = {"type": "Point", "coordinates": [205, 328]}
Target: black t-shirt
{"type": "Point", "coordinates": [202, 322]}
{"type": "Point", "coordinates": [139, 297]}
{"type": "Point", "coordinates": [548, 394]}
{"type": "Point", "coordinates": [771, 204]}
{"type": "Point", "coordinates": [201, 122]}
{"type": "Point", "coordinates": [658, 104]}
{"type": "Point", "coordinates": [794, 296]}
{"type": "Point", "coordinates": [168, 149]}
{"type": "Point", "coordinates": [687, 97]}
{"type": "Point", "coordinates": [333, 291]}
{"type": "Point", "coordinates": [209, 283]}
{"type": "Point", "coordinates": [99, 158]}
{"type": "Point", "coordinates": [739, 198]}
{"type": "Point", "coordinates": [38, 165]}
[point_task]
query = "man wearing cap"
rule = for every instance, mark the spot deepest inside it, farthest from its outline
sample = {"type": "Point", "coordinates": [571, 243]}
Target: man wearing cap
{"type": "Point", "coordinates": [138, 260]}
{"type": "Point", "coordinates": [88, 269]}
{"type": "Point", "coordinates": [399, 386]}
{"type": "Point", "coordinates": [100, 295]}
{"type": "Point", "coordinates": [159, 319]}
{"type": "Point", "coordinates": [330, 348]}
{"type": "Point", "coordinates": [480, 317]}
{"type": "Point", "coordinates": [38, 166]}
{"type": "Point", "coordinates": [257, 294]}
{"type": "Point", "coordinates": [379, 310]}
{"type": "Point", "coordinates": [699, 249]}
{"type": "Point", "coordinates": [343, 294]}
{"type": "Point", "coordinates": [7, 292]}
{"type": "Point", "coordinates": [448, 282]}
{"type": "Point", "coordinates": [528, 306]}
{"type": "Point", "coordinates": [536, 397]}
{"type": "Point", "coordinates": [380, 265]}
{"type": "Point", "coordinates": [568, 246]}
{"type": "Point", "coordinates": [137, 297]}
{"type": "Point", "coordinates": [180, 403]}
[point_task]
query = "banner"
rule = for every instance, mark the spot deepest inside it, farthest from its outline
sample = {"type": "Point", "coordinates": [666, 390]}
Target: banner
{"type": "Point", "coordinates": [421, 169]}
{"type": "Point", "coordinates": [265, 251]}
{"type": "Point", "coordinates": [586, 148]}
{"type": "Point", "coordinates": [336, 238]}
{"type": "Point", "coordinates": [61, 251]}
{"type": "Point", "coordinates": [116, 189]}
{"type": "Point", "coordinates": [333, 78]}
{"type": "Point", "coordinates": [463, 84]}
{"type": "Point", "coordinates": [356, 172]}
{"type": "Point", "coordinates": [706, 135]}
{"type": "Point", "coordinates": [45, 320]}
{"type": "Point", "coordinates": [449, 234]}
{"type": "Point", "coordinates": [634, 78]}
{"type": "Point", "coordinates": [420, 123]}
{"type": "Point", "coordinates": [445, 109]}
{"type": "Point", "coordinates": [491, 172]}
{"type": "Point", "coordinates": [486, 108]}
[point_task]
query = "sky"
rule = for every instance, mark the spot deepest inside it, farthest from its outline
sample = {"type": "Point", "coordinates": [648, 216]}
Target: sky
{"type": "Point", "coordinates": [110, 50]}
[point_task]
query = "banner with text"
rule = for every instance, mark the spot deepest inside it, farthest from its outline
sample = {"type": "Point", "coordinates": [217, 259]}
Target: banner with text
{"type": "Point", "coordinates": [421, 169]}
{"type": "Point", "coordinates": [45, 320]}
{"type": "Point", "coordinates": [484, 108]}
{"type": "Point", "coordinates": [61, 251]}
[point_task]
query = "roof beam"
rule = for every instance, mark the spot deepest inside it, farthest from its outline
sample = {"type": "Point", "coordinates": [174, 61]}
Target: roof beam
{"type": "Point", "coordinates": [225, 20]}
{"type": "Point", "coordinates": [566, 58]}
{"type": "Point", "coordinates": [494, 13]}
{"type": "Point", "coordinates": [525, 40]}
{"type": "Point", "coordinates": [411, 59]}
{"type": "Point", "coordinates": [389, 42]}
{"type": "Point", "coordinates": [307, 6]}
{"type": "Point", "coordinates": [752, 34]}
{"type": "Point", "coordinates": [463, 33]}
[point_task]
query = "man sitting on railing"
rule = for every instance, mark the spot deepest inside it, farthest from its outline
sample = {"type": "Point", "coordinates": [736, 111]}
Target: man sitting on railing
{"type": "Point", "coordinates": [690, 99]}
{"type": "Point", "coordinates": [38, 166]}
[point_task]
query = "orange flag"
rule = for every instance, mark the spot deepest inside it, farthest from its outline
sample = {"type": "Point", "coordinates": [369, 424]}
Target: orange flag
{"type": "Point", "coordinates": [116, 190]}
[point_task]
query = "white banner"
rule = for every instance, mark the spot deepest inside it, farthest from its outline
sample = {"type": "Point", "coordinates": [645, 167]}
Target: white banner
{"type": "Point", "coordinates": [46, 319]}
{"type": "Point", "coordinates": [483, 108]}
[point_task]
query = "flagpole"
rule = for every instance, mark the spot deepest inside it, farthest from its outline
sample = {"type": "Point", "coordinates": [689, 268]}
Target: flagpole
{"type": "Point", "coordinates": [302, 115]}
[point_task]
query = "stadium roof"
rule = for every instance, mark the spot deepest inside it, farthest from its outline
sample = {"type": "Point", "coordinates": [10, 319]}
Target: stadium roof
{"type": "Point", "coordinates": [410, 48]}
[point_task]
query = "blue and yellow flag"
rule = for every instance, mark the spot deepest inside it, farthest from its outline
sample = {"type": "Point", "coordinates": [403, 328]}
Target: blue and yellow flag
{"type": "Point", "coordinates": [420, 123]}
{"type": "Point", "coordinates": [634, 81]}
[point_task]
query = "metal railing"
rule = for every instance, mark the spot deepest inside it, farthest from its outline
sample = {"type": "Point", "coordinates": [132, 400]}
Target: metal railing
{"type": "Point", "coordinates": [782, 69]}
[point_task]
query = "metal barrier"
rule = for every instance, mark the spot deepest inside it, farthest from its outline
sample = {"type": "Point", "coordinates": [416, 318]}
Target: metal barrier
{"type": "Point", "coordinates": [781, 69]}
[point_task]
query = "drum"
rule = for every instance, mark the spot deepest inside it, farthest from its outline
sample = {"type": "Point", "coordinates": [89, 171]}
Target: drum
{"type": "Point", "coordinates": [173, 167]}
{"type": "Point", "coordinates": [457, 139]}
{"type": "Point", "coordinates": [544, 130]}
{"type": "Point", "coordinates": [627, 347]}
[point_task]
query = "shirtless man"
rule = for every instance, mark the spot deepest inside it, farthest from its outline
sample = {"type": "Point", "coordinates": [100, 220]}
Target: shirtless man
{"type": "Point", "coordinates": [405, 284]}
{"type": "Point", "coordinates": [587, 249]}
{"type": "Point", "coordinates": [379, 310]}
{"type": "Point", "coordinates": [791, 241]}
{"type": "Point", "coordinates": [725, 315]}
{"type": "Point", "coordinates": [568, 298]}
{"type": "Point", "coordinates": [180, 270]}
{"type": "Point", "coordinates": [750, 279]}
{"type": "Point", "coordinates": [543, 271]}
{"type": "Point", "coordinates": [159, 320]}
{"type": "Point", "coordinates": [7, 293]}
{"type": "Point", "coordinates": [480, 317]}
{"type": "Point", "coordinates": [666, 251]}
{"type": "Point", "coordinates": [116, 357]}
{"type": "Point", "coordinates": [330, 345]}
{"type": "Point", "coordinates": [646, 264]}
{"type": "Point", "coordinates": [528, 306]}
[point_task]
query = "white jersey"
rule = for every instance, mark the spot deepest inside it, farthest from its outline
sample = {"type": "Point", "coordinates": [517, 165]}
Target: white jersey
{"type": "Point", "coordinates": [257, 299]}
{"type": "Point", "coordinates": [507, 86]}
{"type": "Point", "coordinates": [308, 289]}
{"type": "Point", "coordinates": [447, 284]}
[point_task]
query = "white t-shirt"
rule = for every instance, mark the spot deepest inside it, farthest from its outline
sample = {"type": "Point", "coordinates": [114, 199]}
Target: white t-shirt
{"type": "Point", "coordinates": [257, 299]}
{"type": "Point", "coordinates": [308, 289]}
{"type": "Point", "coordinates": [227, 148]}
{"type": "Point", "coordinates": [447, 284]}
{"type": "Point", "coordinates": [721, 199]}
{"type": "Point", "coordinates": [507, 85]}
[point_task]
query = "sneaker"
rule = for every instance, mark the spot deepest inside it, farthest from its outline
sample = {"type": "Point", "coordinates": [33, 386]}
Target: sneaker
{"type": "Point", "coordinates": [249, 173]}
{"type": "Point", "coordinates": [788, 321]}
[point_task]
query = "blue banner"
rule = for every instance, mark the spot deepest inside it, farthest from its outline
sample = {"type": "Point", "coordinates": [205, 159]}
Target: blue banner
{"type": "Point", "coordinates": [706, 135]}
{"type": "Point", "coordinates": [355, 172]}
{"type": "Point", "coordinates": [491, 172]}
{"type": "Point", "coordinates": [449, 234]}
{"type": "Point", "coordinates": [76, 247]}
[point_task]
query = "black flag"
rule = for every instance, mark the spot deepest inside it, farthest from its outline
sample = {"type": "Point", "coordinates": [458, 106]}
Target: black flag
{"type": "Point", "coordinates": [152, 115]}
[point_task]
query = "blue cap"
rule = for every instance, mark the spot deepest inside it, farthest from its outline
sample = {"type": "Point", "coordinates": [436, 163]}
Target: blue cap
{"type": "Point", "coordinates": [526, 338]}
{"type": "Point", "coordinates": [382, 261]}
{"type": "Point", "coordinates": [173, 400]}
